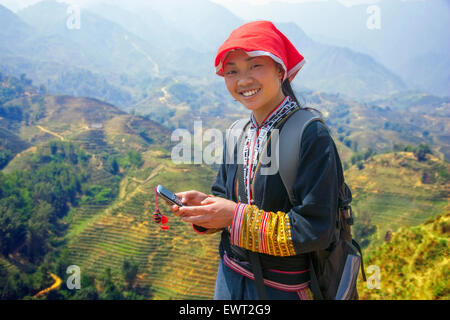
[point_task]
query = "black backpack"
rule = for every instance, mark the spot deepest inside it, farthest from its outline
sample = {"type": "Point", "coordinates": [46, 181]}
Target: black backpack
{"type": "Point", "coordinates": [333, 271]}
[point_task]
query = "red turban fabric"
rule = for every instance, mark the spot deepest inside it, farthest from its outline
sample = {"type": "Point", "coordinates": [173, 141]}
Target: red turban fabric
{"type": "Point", "coordinates": [262, 38]}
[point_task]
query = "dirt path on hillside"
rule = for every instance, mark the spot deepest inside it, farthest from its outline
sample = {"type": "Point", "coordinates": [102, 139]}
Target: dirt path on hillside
{"type": "Point", "coordinates": [51, 132]}
{"type": "Point", "coordinates": [151, 175]}
{"type": "Point", "coordinates": [54, 286]}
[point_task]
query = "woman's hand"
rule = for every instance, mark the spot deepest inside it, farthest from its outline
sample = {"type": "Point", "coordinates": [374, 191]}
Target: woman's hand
{"type": "Point", "coordinates": [189, 198]}
{"type": "Point", "coordinates": [212, 212]}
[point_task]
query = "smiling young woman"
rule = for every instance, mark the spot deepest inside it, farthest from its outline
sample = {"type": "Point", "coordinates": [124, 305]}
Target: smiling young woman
{"type": "Point", "coordinates": [256, 82]}
{"type": "Point", "coordinates": [254, 210]}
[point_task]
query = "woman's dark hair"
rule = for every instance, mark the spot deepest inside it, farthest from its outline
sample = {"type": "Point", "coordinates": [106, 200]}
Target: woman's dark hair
{"type": "Point", "coordinates": [288, 91]}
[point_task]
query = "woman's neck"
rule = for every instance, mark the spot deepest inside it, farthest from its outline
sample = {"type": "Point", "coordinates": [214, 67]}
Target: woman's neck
{"type": "Point", "coordinates": [261, 114]}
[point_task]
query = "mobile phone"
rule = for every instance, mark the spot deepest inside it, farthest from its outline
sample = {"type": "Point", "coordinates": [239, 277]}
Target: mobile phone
{"type": "Point", "coordinates": [168, 195]}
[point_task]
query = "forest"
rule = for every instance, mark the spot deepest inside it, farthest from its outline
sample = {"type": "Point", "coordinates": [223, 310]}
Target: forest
{"type": "Point", "coordinates": [32, 205]}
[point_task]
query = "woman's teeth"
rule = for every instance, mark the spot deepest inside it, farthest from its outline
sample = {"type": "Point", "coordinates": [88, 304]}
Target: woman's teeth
{"type": "Point", "coordinates": [250, 93]}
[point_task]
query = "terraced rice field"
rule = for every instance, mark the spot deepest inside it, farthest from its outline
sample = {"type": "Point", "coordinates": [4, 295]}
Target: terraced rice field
{"type": "Point", "coordinates": [176, 264]}
{"type": "Point", "coordinates": [173, 264]}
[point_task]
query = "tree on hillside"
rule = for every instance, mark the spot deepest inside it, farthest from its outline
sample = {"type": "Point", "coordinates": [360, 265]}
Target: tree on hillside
{"type": "Point", "coordinates": [363, 228]}
{"type": "Point", "coordinates": [109, 289]}
{"type": "Point", "coordinates": [135, 158]}
{"type": "Point", "coordinates": [12, 229]}
{"type": "Point", "coordinates": [129, 272]}
{"type": "Point", "coordinates": [5, 157]}
{"type": "Point", "coordinates": [38, 231]}
{"type": "Point", "coordinates": [421, 151]}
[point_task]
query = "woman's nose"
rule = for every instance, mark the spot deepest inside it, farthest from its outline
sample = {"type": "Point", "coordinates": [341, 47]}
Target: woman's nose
{"type": "Point", "coordinates": [245, 81]}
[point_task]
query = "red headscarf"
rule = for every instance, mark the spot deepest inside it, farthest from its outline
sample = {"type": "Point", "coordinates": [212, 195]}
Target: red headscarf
{"type": "Point", "coordinates": [262, 38]}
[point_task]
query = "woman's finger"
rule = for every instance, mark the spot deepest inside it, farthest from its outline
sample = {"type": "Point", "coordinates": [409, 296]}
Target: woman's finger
{"type": "Point", "coordinates": [186, 196]}
{"type": "Point", "coordinates": [175, 209]}
{"type": "Point", "coordinates": [201, 221]}
{"type": "Point", "coordinates": [180, 194]}
{"type": "Point", "coordinates": [194, 210]}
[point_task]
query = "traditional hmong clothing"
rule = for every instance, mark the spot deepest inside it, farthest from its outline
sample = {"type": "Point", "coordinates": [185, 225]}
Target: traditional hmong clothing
{"type": "Point", "coordinates": [267, 223]}
{"type": "Point", "coordinates": [264, 220]}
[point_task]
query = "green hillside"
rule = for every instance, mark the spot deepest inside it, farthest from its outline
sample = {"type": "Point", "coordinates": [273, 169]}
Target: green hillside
{"type": "Point", "coordinates": [414, 264]}
{"type": "Point", "coordinates": [106, 221]}
{"type": "Point", "coordinates": [402, 212]}
{"type": "Point", "coordinates": [173, 264]}
{"type": "Point", "coordinates": [394, 189]}
{"type": "Point", "coordinates": [77, 189]}
{"type": "Point", "coordinates": [405, 118]}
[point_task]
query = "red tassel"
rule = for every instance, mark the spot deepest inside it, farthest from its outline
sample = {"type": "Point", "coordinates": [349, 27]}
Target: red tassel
{"type": "Point", "coordinates": [164, 219]}
{"type": "Point", "coordinates": [165, 227]}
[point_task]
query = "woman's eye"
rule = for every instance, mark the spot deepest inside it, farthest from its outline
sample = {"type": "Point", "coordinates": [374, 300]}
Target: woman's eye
{"type": "Point", "coordinates": [255, 66]}
{"type": "Point", "coordinates": [230, 72]}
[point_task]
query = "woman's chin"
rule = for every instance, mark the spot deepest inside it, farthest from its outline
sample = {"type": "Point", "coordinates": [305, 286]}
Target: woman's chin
{"type": "Point", "coordinates": [251, 105]}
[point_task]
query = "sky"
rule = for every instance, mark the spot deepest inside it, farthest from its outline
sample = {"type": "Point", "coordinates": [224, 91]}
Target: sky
{"type": "Point", "coordinates": [344, 2]}
{"type": "Point", "coordinates": [16, 5]}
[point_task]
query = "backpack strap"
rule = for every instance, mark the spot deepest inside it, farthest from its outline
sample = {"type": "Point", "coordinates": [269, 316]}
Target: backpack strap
{"type": "Point", "coordinates": [290, 146]}
{"type": "Point", "coordinates": [314, 283]}
{"type": "Point", "coordinates": [233, 137]}
{"type": "Point", "coordinates": [356, 244]}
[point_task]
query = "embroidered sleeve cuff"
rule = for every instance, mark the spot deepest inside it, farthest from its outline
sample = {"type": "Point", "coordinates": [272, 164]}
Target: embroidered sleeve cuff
{"type": "Point", "coordinates": [261, 231]}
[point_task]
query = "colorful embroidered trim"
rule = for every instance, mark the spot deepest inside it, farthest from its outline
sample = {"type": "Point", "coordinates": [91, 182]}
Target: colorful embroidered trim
{"type": "Point", "coordinates": [276, 285]}
{"type": "Point", "coordinates": [261, 231]}
{"type": "Point", "coordinates": [257, 140]}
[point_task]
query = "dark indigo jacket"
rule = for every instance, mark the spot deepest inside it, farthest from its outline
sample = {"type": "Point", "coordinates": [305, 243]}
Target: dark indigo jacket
{"type": "Point", "coordinates": [319, 175]}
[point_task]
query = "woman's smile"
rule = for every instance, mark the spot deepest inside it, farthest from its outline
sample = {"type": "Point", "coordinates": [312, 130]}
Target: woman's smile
{"type": "Point", "coordinates": [250, 93]}
{"type": "Point", "coordinates": [254, 81]}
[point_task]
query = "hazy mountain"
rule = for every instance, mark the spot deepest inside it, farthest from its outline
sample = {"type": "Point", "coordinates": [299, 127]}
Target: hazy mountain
{"type": "Point", "coordinates": [147, 24]}
{"type": "Point", "coordinates": [429, 71]}
{"type": "Point", "coordinates": [125, 49]}
{"type": "Point", "coordinates": [183, 52]}
{"type": "Point", "coordinates": [89, 61]}
{"type": "Point", "coordinates": [343, 76]}
{"type": "Point", "coordinates": [12, 31]}
{"type": "Point", "coordinates": [409, 31]}
{"type": "Point", "coordinates": [339, 69]}
{"type": "Point", "coordinates": [206, 22]}
{"type": "Point", "coordinates": [186, 32]}
{"type": "Point", "coordinates": [98, 44]}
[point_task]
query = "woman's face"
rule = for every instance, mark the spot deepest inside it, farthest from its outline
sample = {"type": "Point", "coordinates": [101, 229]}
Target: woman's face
{"type": "Point", "coordinates": [254, 81]}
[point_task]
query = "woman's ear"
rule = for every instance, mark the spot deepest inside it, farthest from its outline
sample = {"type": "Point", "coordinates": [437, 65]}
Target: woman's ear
{"type": "Point", "coordinates": [280, 72]}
